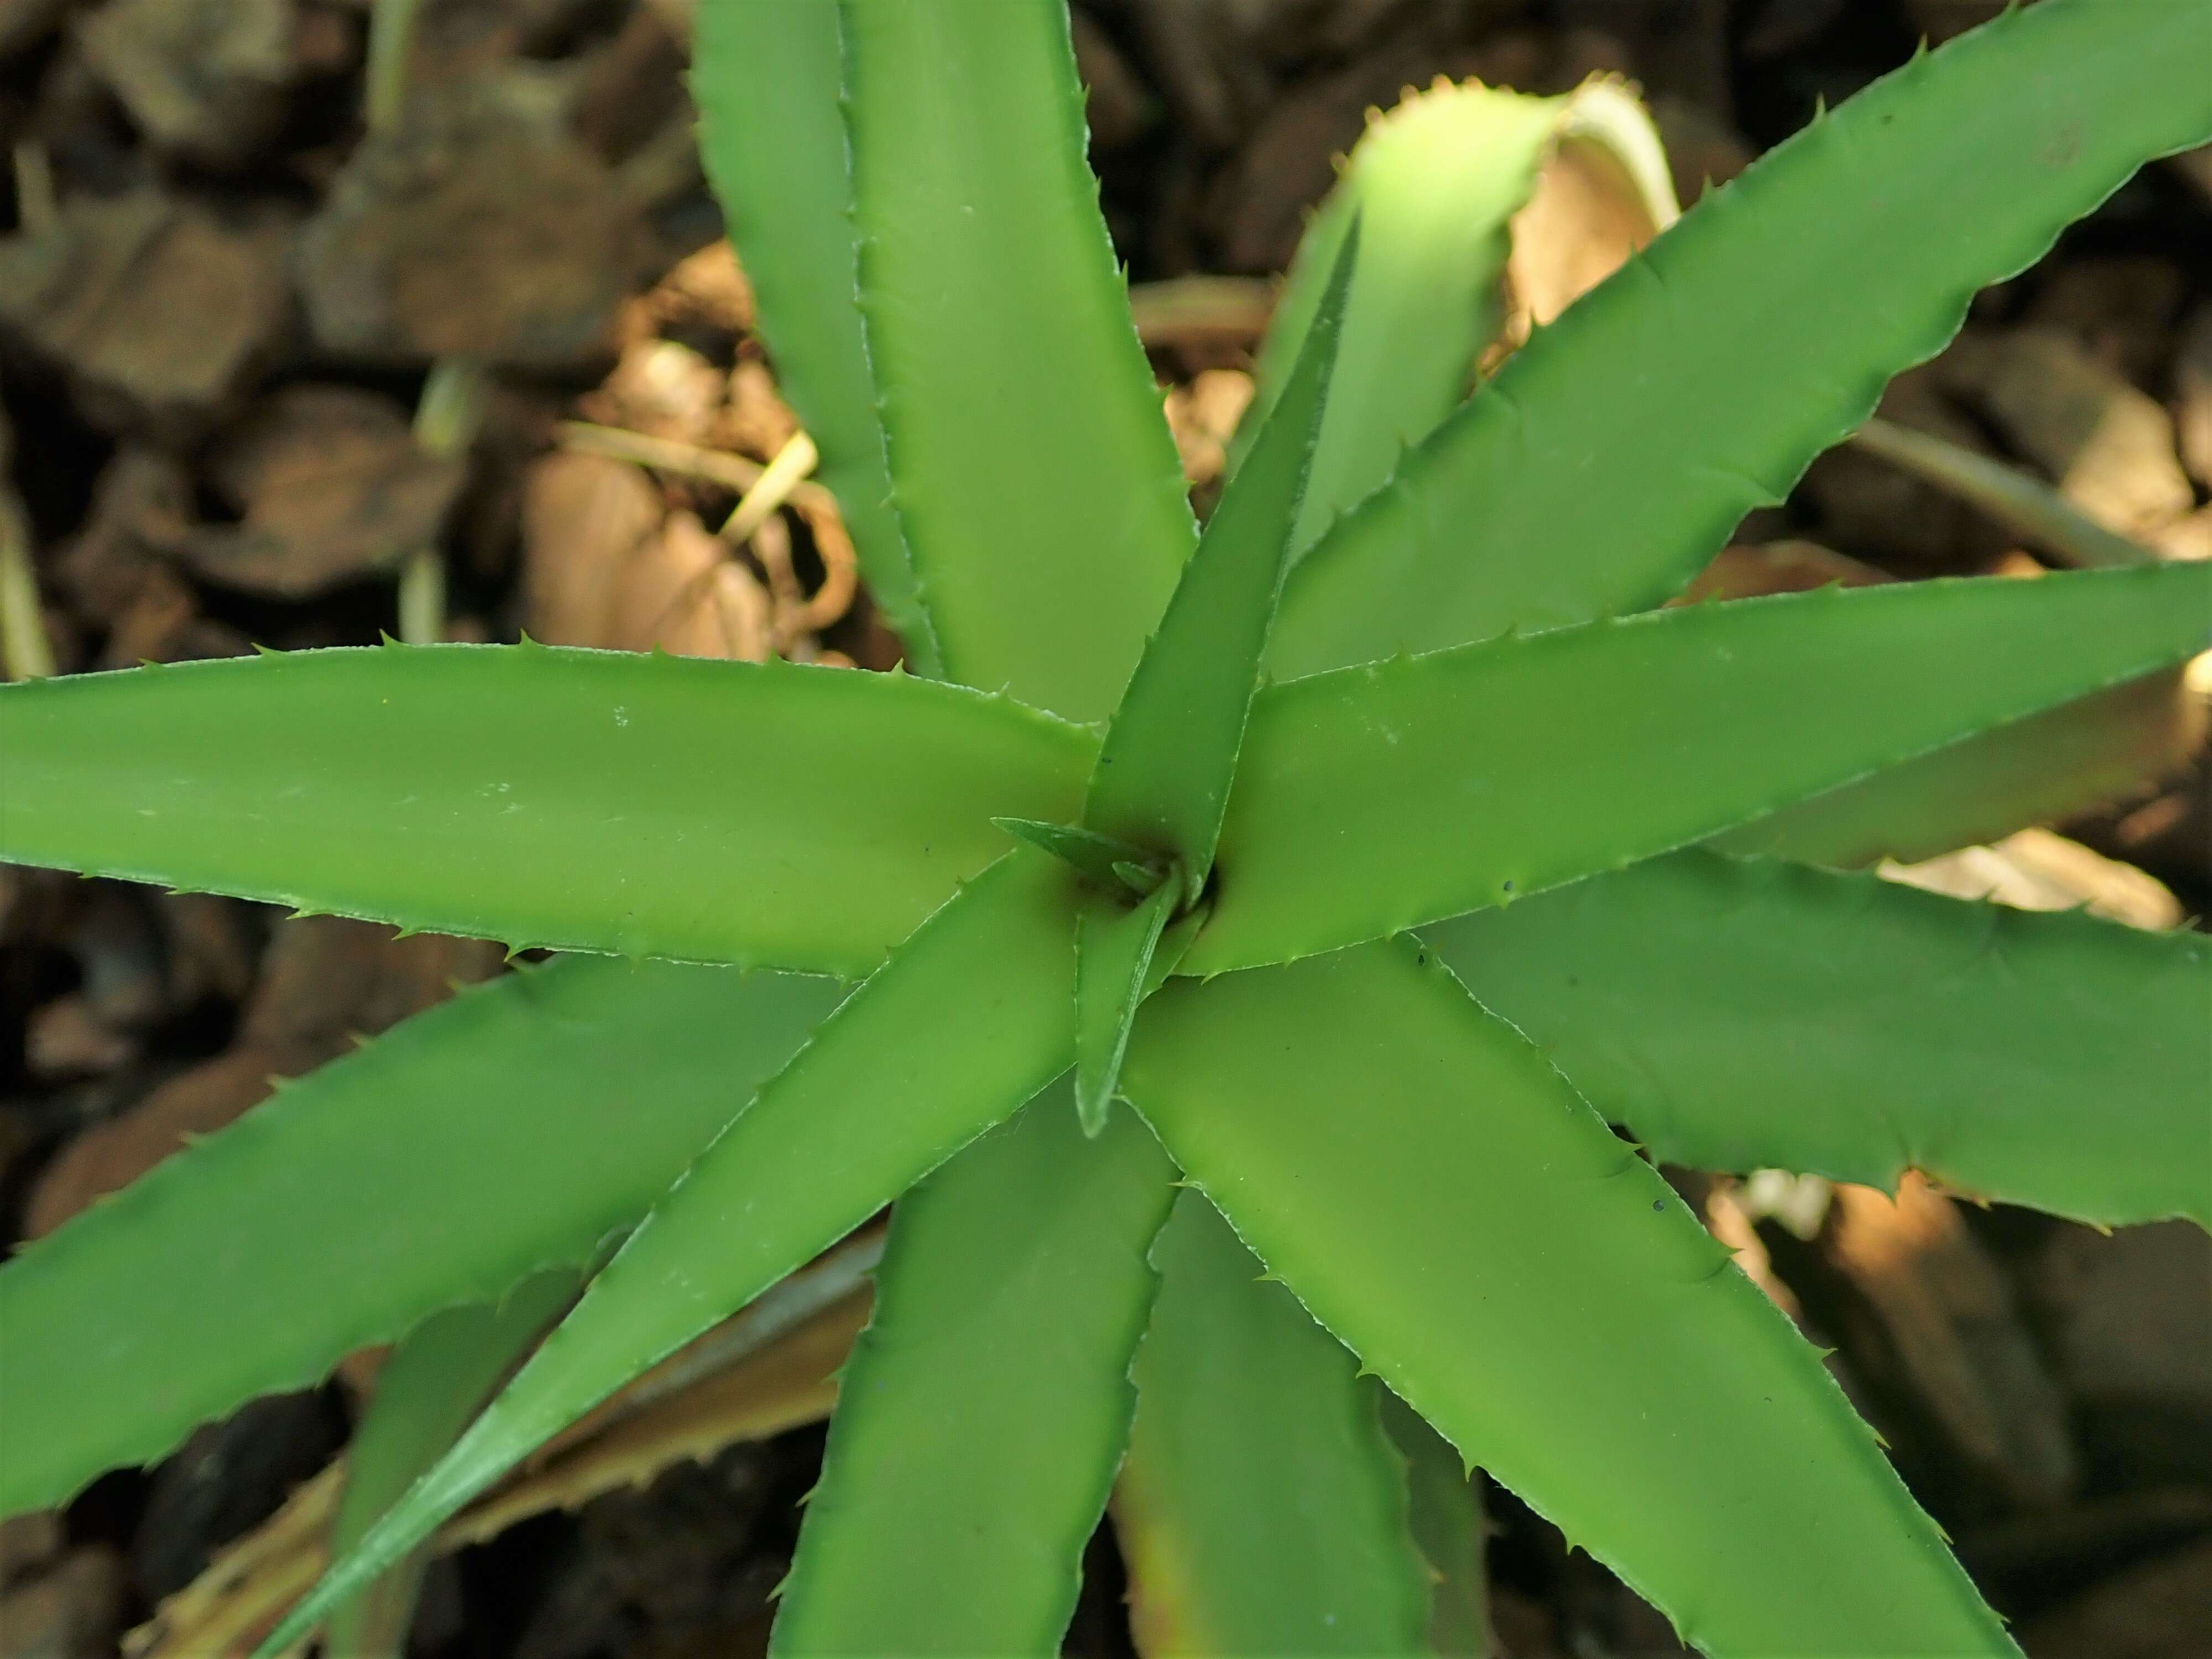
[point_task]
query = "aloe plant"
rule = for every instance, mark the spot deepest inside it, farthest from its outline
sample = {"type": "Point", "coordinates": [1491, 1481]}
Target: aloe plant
{"type": "Point", "coordinates": [1167, 867]}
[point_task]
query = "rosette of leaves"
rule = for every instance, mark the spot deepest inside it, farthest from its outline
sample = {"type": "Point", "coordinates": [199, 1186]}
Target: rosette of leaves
{"type": "Point", "coordinates": [1339, 867]}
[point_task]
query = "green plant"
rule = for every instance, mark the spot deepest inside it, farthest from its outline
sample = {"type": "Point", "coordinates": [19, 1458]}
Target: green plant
{"type": "Point", "coordinates": [1019, 897]}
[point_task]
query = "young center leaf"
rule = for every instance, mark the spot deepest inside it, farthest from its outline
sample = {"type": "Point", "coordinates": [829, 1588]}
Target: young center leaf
{"type": "Point", "coordinates": [1381, 798]}
{"type": "Point", "coordinates": [2054, 1061]}
{"type": "Point", "coordinates": [1114, 943]}
{"type": "Point", "coordinates": [982, 1415]}
{"type": "Point", "coordinates": [1262, 1509]}
{"type": "Point", "coordinates": [1437, 1195]}
{"type": "Point", "coordinates": [1098, 859]}
{"type": "Point", "coordinates": [886, 1089]}
{"type": "Point", "coordinates": [1164, 774]}
{"type": "Point", "coordinates": [1604, 464]}
{"type": "Point", "coordinates": [511, 1129]}
{"type": "Point", "coordinates": [589, 800]}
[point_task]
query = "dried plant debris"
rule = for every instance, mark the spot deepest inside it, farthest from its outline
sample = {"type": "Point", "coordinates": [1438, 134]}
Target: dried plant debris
{"type": "Point", "coordinates": [605, 563]}
{"type": "Point", "coordinates": [768, 1370]}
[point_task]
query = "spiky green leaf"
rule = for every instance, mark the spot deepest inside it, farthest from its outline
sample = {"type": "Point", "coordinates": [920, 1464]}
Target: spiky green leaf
{"type": "Point", "coordinates": [1742, 1014]}
{"type": "Point", "coordinates": [594, 801]}
{"type": "Point", "coordinates": [1164, 774]}
{"type": "Point", "coordinates": [511, 1129]}
{"type": "Point", "coordinates": [979, 1422]}
{"type": "Point", "coordinates": [1262, 1509]}
{"type": "Point", "coordinates": [434, 1381]}
{"type": "Point", "coordinates": [767, 80]}
{"type": "Point", "coordinates": [968, 1018]}
{"type": "Point", "coordinates": [2038, 770]}
{"type": "Point", "coordinates": [1030, 462]}
{"type": "Point", "coordinates": [1441, 1199]}
{"type": "Point", "coordinates": [1114, 943]}
{"type": "Point", "coordinates": [1384, 797]}
{"type": "Point", "coordinates": [1603, 464]}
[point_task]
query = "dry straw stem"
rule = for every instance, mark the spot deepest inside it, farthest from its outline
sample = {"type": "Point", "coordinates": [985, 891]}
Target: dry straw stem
{"type": "Point", "coordinates": [2022, 503]}
{"type": "Point", "coordinates": [25, 654]}
{"type": "Point", "coordinates": [772, 1367]}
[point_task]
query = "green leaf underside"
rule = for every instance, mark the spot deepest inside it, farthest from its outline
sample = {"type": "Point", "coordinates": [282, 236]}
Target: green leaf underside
{"type": "Point", "coordinates": [1435, 183]}
{"type": "Point", "coordinates": [805, 818]}
{"type": "Point", "coordinates": [1164, 770]}
{"type": "Point", "coordinates": [2039, 770]}
{"type": "Point", "coordinates": [1438, 1197]}
{"type": "Point", "coordinates": [772, 133]}
{"type": "Point", "coordinates": [513, 1129]}
{"type": "Point", "coordinates": [1262, 1509]}
{"type": "Point", "coordinates": [1573, 486]}
{"type": "Point", "coordinates": [435, 1381]}
{"type": "Point", "coordinates": [1381, 798]}
{"type": "Point", "coordinates": [1741, 1015]}
{"type": "Point", "coordinates": [982, 1417]}
{"type": "Point", "coordinates": [1029, 461]}
{"type": "Point", "coordinates": [887, 1088]}
{"type": "Point", "coordinates": [1114, 947]}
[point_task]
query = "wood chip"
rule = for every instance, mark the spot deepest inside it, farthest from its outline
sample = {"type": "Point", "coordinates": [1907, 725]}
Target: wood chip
{"type": "Point", "coordinates": [205, 80]}
{"type": "Point", "coordinates": [476, 229]}
{"type": "Point", "coordinates": [331, 486]}
{"type": "Point", "coordinates": [157, 310]}
{"type": "Point", "coordinates": [2161, 1610]}
{"type": "Point", "coordinates": [2129, 1316]}
{"type": "Point", "coordinates": [73, 1611]}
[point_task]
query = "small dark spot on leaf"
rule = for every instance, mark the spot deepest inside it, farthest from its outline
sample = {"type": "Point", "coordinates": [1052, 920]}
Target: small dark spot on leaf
{"type": "Point", "coordinates": [1658, 1205]}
